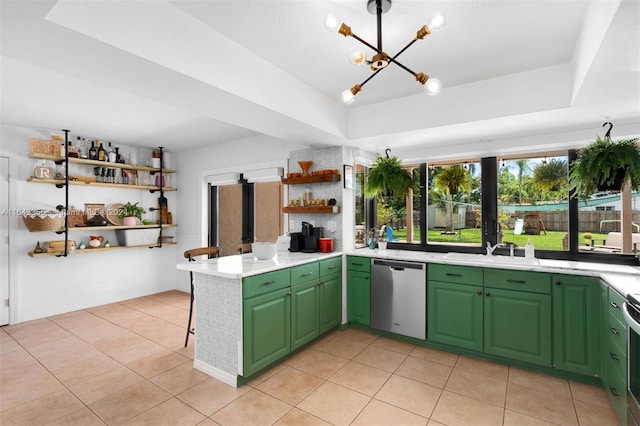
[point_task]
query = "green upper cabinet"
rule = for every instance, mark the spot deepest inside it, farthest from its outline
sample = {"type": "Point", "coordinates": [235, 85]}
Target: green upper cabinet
{"type": "Point", "coordinates": [266, 329]}
{"type": "Point", "coordinates": [577, 331]}
{"type": "Point", "coordinates": [305, 316]}
{"type": "Point", "coordinates": [517, 315]}
{"type": "Point", "coordinates": [455, 314]}
{"type": "Point", "coordinates": [330, 293]}
{"type": "Point", "coordinates": [359, 290]}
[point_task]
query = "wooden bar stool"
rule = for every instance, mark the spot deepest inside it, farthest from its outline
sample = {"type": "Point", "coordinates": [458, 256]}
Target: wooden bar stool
{"type": "Point", "coordinates": [210, 252]}
{"type": "Point", "coordinates": [244, 248]}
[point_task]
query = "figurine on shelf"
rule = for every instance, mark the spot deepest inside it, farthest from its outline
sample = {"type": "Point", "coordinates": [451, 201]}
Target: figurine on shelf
{"type": "Point", "coordinates": [38, 249]}
{"type": "Point", "coordinates": [107, 244]}
{"type": "Point", "coordinates": [81, 246]}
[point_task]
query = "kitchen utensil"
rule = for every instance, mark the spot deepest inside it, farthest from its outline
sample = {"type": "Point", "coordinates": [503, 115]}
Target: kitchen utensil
{"type": "Point", "coordinates": [263, 251]}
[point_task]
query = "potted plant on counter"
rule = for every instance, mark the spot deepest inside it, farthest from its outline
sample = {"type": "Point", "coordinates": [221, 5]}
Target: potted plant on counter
{"type": "Point", "coordinates": [387, 177]}
{"type": "Point", "coordinates": [605, 165]}
{"type": "Point", "coordinates": [131, 213]}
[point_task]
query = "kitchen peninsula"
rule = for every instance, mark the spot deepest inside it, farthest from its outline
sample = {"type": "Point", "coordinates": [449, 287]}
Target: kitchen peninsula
{"type": "Point", "coordinates": [250, 313]}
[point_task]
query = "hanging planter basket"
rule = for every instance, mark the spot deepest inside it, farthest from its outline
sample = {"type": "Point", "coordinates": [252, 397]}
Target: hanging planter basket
{"type": "Point", "coordinates": [388, 178]}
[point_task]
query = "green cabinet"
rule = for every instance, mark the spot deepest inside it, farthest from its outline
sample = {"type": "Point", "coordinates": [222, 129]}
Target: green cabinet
{"type": "Point", "coordinates": [304, 313]}
{"type": "Point", "coordinates": [517, 315]}
{"type": "Point", "coordinates": [287, 308]}
{"type": "Point", "coordinates": [330, 295]}
{"type": "Point", "coordinates": [614, 354]}
{"type": "Point", "coordinates": [517, 325]}
{"type": "Point", "coordinates": [359, 290]}
{"type": "Point", "coordinates": [266, 329]}
{"type": "Point", "coordinates": [455, 314]}
{"type": "Point", "coordinates": [577, 332]}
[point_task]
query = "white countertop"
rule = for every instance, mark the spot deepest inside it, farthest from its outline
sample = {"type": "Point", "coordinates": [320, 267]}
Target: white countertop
{"type": "Point", "coordinates": [245, 265]}
{"type": "Point", "coordinates": [623, 278]}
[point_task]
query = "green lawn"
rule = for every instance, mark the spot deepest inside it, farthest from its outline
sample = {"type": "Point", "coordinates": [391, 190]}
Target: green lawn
{"type": "Point", "coordinates": [551, 241]}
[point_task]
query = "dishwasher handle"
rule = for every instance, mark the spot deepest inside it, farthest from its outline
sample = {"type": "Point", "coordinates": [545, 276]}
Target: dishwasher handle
{"type": "Point", "coordinates": [398, 265]}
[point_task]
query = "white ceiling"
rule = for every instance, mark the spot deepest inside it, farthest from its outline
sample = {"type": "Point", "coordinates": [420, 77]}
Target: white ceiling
{"type": "Point", "coordinates": [185, 74]}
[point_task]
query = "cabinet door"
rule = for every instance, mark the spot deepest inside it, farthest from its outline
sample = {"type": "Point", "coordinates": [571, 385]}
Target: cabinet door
{"type": "Point", "coordinates": [330, 303]}
{"type": "Point", "coordinates": [359, 297]}
{"type": "Point", "coordinates": [455, 314]}
{"type": "Point", "coordinates": [266, 329]}
{"type": "Point", "coordinates": [577, 334]}
{"type": "Point", "coordinates": [517, 325]}
{"type": "Point", "coordinates": [304, 313]}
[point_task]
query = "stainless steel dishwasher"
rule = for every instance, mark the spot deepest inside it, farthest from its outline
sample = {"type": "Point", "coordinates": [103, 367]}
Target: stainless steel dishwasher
{"type": "Point", "coordinates": [399, 297]}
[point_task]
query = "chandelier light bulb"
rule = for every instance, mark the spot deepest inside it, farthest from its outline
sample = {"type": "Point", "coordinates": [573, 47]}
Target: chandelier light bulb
{"type": "Point", "coordinates": [347, 97]}
{"type": "Point", "coordinates": [433, 86]}
{"type": "Point", "coordinates": [436, 21]}
{"type": "Point", "coordinates": [356, 56]}
{"type": "Point", "coordinates": [331, 23]}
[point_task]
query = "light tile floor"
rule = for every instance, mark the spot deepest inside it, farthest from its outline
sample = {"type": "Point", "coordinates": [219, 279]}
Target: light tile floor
{"type": "Point", "coordinates": [124, 363]}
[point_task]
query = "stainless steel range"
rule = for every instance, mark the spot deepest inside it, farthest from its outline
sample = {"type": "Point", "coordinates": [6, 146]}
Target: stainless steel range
{"type": "Point", "coordinates": [632, 317]}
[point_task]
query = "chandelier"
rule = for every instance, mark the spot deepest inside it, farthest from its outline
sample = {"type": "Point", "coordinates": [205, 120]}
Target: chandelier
{"type": "Point", "coordinates": [381, 59]}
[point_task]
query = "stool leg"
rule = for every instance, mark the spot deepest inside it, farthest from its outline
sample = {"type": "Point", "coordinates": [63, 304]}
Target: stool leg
{"type": "Point", "coordinates": [186, 340]}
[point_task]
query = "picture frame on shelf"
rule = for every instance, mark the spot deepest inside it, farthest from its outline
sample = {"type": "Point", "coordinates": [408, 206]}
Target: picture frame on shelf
{"type": "Point", "coordinates": [348, 176]}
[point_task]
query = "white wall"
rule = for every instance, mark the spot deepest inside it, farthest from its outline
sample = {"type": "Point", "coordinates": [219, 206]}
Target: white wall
{"type": "Point", "coordinates": [41, 287]}
{"type": "Point", "coordinates": [235, 156]}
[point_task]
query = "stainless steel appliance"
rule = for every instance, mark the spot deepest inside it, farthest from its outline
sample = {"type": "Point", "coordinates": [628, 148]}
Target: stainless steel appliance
{"type": "Point", "coordinates": [632, 317]}
{"type": "Point", "coordinates": [399, 297]}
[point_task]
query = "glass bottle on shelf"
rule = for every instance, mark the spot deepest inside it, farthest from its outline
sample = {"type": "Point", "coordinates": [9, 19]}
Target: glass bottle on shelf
{"type": "Point", "coordinates": [102, 155]}
{"type": "Point", "coordinates": [93, 152]}
{"type": "Point", "coordinates": [112, 154]}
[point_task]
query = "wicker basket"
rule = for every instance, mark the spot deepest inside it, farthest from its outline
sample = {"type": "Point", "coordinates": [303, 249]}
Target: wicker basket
{"type": "Point", "coordinates": [138, 237]}
{"type": "Point", "coordinates": [42, 220]}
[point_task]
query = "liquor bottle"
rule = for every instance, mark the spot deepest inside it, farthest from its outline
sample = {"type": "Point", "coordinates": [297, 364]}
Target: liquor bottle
{"type": "Point", "coordinates": [93, 152]}
{"type": "Point", "coordinates": [112, 154]}
{"type": "Point", "coordinates": [101, 153]}
{"type": "Point", "coordinates": [118, 156]}
{"type": "Point", "coordinates": [80, 148]}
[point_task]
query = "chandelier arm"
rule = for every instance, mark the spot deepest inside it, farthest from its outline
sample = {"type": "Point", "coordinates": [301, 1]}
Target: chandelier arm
{"type": "Point", "coordinates": [371, 76]}
{"type": "Point", "coordinates": [370, 46]}
{"type": "Point", "coordinates": [400, 65]}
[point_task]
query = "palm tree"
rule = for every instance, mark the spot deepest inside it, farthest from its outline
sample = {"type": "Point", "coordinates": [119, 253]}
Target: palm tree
{"type": "Point", "coordinates": [523, 167]}
{"type": "Point", "coordinates": [451, 180]}
{"type": "Point", "coordinates": [552, 177]}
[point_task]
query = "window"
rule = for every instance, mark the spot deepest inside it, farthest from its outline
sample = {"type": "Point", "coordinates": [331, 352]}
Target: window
{"type": "Point", "coordinates": [463, 205]}
{"type": "Point", "coordinates": [533, 201]}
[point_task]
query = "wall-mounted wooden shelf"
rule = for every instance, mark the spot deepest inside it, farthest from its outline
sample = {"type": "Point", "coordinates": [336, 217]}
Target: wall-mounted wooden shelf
{"type": "Point", "coordinates": [102, 184]}
{"type": "Point", "coordinates": [94, 163]}
{"type": "Point", "coordinates": [108, 228]}
{"type": "Point", "coordinates": [99, 249]}
{"type": "Point", "coordinates": [311, 179]}
{"type": "Point", "coordinates": [311, 209]}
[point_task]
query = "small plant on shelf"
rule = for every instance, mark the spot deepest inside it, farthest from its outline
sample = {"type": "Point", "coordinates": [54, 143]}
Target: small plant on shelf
{"type": "Point", "coordinates": [130, 212]}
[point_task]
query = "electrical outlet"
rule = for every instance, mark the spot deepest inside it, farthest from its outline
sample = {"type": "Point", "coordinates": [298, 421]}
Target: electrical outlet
{"type": "Point", "coordinates": [331, 226]}
{"type": "Point", "coordinates": [291, 225]}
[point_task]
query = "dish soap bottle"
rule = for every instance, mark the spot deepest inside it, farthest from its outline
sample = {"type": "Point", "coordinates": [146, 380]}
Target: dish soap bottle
{"type": "Point", "coordinates": [529, 251]}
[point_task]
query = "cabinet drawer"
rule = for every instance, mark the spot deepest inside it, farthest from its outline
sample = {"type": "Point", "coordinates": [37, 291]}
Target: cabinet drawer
{"type": "Point", "coordinates": [357, 263]}
{"type": "Point", "coordinates": [455, 274]}
{"type": "Point", "coordinates": [615, 360]}
{"type": "Point", "coordinates": [264, 283]}
{"type": "Point", "coordinates": [532, 282]}
{"type": "Point", "coordinates": [331, 266]}
{"type": "Point", "coordinates": [617, 333]}
{"type": "Point", "coordinates": [616, 387]}
{"type": "Point", "coordinates": [615, 304]}
{"type": "Point", "coordinates": [303, 273]}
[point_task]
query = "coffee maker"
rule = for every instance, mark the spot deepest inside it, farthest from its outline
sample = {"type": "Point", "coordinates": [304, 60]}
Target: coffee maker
{"type": "Point", "coordinates": [297, 241]}
{"type": "Point", "coordinates": [311, 236]}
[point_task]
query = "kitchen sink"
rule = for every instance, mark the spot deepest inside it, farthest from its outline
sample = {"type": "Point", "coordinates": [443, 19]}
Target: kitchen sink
{"type": "Point", "coordinates": [495, 259]}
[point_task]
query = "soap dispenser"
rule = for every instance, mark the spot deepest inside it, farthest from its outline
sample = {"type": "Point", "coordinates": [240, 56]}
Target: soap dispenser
{"type": "Point", "coordinates": [529, 251]}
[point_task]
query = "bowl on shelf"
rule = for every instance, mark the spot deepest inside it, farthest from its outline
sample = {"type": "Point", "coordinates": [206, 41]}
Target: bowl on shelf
{"type": "Point", "coordinates": [263, 251]}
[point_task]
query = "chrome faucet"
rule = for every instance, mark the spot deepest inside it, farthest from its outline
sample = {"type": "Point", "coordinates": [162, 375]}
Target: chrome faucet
{"type": "Point", "coordinates": [491, 249]}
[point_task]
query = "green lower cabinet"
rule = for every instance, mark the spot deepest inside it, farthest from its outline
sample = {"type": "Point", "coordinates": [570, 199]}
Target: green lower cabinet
{"type": "Point", "coordinates": [266, 329]}
{"type": "Point", "coordinates": [304, 313]}
{"type": "Point", "coordinates": [455, 314]}
{"type": "Point", "coordinates": [577, 330]}
{"type": "Point", "coordinates": [359, 297]}
{"type": "Point", "coordinates": [330, 302]}
{"type": "Point", "coordinates": [517, 325]}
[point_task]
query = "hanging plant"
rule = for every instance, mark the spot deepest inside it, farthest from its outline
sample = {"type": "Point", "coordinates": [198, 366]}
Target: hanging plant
{"type": "Point", "coordinates": [605, 165]}
{"type": "Point", "coordinates": [387, 177]}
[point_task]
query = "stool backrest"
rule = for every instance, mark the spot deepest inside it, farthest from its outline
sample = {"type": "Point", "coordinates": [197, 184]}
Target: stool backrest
{"type": "Point", "coordinates": [244, 248]}
{"type": "Point", "coordinates": [210, 252]}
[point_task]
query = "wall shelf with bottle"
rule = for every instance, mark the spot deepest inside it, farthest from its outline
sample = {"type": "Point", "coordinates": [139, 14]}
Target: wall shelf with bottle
{"type": "Point", "coordinates": [300, 180]}
{"type": "Point", "coordinates": [104, 184]}
{"type": "Point", "coordinates": [105, 174]}
{"type": "Point", "coordinates": [311, 209]}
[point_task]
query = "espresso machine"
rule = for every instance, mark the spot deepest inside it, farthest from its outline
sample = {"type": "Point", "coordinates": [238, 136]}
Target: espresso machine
{"type": "Point", "coordinates": [308, 240]}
